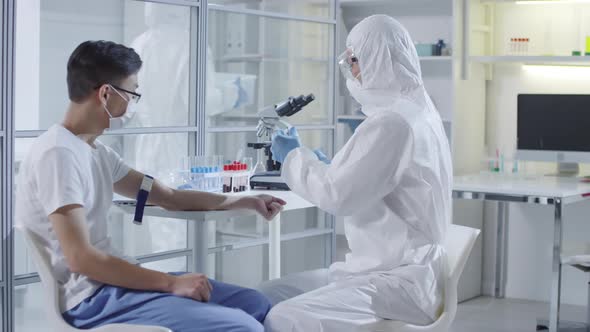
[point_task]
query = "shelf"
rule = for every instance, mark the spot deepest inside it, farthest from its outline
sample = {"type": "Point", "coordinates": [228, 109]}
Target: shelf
{"type": "Point", "coordinates": [397, 8]}
{"type": "Point", "coordinates": [538, 2]}
{"type": "Point", "coordinates": [548, 60]}
{"type": "Point", "coordinates": [351, 117]}
{"type": "Point", "coordinates": [436, 58]}
{"type": "Point", "coordinates": [362, 117]}
{"type": "Point", "coordinates": [262, 57]}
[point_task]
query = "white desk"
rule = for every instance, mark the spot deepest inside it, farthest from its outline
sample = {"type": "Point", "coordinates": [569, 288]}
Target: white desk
{"type": "Point", "coordinates": [200, 232]}
{"type": "Point", "coordinates": [544, 190]}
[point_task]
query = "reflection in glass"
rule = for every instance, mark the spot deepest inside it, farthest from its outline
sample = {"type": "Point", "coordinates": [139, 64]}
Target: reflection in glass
{"type": "Point", "coordinates": [178, 264]}
{"type": "Point", "coordinates": [309, 8]}
{"type": "Point", "coordinates": [296, 256]}
{"type": "Point", "coordinates": [161, 160]}
{"type": "Point", "coordinates": [53, 29]}
{"type": "Point", "coordinates": [259, 62]}
{"type": "Point", "coordinates": [23, 263]}
{"type": "Point", "coordinates": [29, 308]}
{"type": "Point", "coordinates": [163, 79]}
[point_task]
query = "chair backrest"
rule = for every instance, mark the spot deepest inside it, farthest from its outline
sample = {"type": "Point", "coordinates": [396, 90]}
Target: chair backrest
{"type": "Point", "coordinates": [458, 245]}
{"type": "Point", "coordinates": [43, 263]}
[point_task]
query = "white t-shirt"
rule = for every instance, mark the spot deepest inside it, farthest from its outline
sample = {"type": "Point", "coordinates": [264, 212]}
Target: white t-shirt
{"type": "Point", "coordinates": [61, 169]}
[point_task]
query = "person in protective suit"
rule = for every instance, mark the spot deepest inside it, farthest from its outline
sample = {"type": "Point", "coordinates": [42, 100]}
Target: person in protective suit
{"type": "Point", "coordinates": [391, 184]}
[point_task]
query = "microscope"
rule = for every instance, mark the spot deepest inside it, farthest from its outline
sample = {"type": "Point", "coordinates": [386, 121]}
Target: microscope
{"type": "Point", "coordinates": [270, 121]}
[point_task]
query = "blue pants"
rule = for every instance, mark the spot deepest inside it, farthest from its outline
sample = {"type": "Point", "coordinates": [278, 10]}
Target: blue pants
{"type": "Point", "coordinates": [230, 308]}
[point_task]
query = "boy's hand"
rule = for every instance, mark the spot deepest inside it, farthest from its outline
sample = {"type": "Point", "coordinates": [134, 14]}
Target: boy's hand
{"type": "Point", "coordinates": [266, 205]}
{"type": "Point", "coordinates": [194, 285]}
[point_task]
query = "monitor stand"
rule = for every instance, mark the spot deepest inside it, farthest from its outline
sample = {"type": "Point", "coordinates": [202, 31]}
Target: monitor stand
{"type": "Point", "coordinates": [567, 170]}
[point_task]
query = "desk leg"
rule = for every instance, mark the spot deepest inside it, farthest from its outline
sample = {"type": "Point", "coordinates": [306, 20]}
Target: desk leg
{"type": "Point", "coordinates": [501, 249]}
{"type": "Point", "coordinates": [588, 306]}
{"type": "Point", "coordinates": [556, 280]}
{"type": "Point", "coordinates": [200, 247]}
{"type": "Point", "coordinates": [274, 248]}
{"type": "Point", "coordinates": [211, 260]}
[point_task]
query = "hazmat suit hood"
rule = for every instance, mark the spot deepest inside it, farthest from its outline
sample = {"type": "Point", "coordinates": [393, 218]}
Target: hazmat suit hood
{"type": "Point", "coordinates": [389, 65]}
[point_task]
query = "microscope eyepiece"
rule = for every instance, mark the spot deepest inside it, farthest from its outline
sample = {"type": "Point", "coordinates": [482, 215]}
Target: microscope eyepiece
{"type": "Point", "coordinates": [293, 105]}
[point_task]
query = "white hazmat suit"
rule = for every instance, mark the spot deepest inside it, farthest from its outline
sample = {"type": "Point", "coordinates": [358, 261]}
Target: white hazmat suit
{"type": "Point", "coordinates": [391, 183]}
{"type": "Point", "coordinates": [164, 84]}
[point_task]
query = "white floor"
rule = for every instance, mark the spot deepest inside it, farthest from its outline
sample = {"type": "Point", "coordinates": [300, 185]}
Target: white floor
{"type": "Point", "coordinates": [485, 314]}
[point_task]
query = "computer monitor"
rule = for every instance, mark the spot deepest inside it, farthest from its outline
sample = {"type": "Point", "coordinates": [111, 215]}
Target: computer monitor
{"type": "Point", "coordinates": [555, 128]}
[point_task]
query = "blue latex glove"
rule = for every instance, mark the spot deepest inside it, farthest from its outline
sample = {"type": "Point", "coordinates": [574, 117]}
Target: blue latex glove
{"type": "Point", "coordinates": [322, 156]}
{"type": "Point", "coordinates": [283, 142]}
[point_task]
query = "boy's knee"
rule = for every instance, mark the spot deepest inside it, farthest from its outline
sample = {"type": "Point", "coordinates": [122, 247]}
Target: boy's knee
{"type": "Point", "coordinates": [260, 305]}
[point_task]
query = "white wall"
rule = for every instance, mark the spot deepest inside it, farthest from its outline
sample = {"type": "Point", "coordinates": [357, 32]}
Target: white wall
{"type": "Point", "coordinates": [27, 65]}
{"type": "Point", "coordinates": [531, 227]}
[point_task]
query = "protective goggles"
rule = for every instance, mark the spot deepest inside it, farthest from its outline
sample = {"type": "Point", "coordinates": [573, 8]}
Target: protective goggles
{"type": "Point", "coordinates": [345, 62]}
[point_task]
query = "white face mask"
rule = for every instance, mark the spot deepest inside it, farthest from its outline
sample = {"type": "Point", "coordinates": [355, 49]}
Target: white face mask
{"type": "Point", "coordinates": [121, 121]}
{"type": "Point", "coordinates": [354, 87]}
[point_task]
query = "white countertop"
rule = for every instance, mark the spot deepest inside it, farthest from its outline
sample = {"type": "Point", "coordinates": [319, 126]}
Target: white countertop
{"type": "Point", "coordinates": [294, 202]}
{"type": "Point", "coordinates": [522, 185]}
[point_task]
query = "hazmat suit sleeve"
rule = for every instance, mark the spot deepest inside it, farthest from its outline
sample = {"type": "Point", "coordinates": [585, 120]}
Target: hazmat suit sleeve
{"type": "Point", "coordinates": [367, 168]}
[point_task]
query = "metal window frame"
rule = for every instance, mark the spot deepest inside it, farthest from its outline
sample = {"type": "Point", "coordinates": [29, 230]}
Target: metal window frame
{"type": "Point", "coordinates": [120, 132]}
{"type": "Point", "coordinates": [192, 3]}
{"type": "Point", "coordinates": [31, 278]}
{"type": "Point", "coordinates": [330, 253]}
{"type": "Point", "coordinates": [211, 130]}
{"type": "Point", "coordinates": [7, 58]}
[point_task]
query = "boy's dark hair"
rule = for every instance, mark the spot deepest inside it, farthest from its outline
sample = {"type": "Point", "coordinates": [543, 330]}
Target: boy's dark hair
{"type": "Point", "coordinates": [94, 63]}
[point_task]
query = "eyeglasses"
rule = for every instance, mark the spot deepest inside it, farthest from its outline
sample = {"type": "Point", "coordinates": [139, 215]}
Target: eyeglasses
{"type": "Point", "coordinates": [134, 95]}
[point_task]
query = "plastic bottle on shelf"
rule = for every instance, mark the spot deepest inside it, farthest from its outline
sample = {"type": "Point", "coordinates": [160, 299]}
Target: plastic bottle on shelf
{"type": "Point", "coordinates": [438, 47]}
